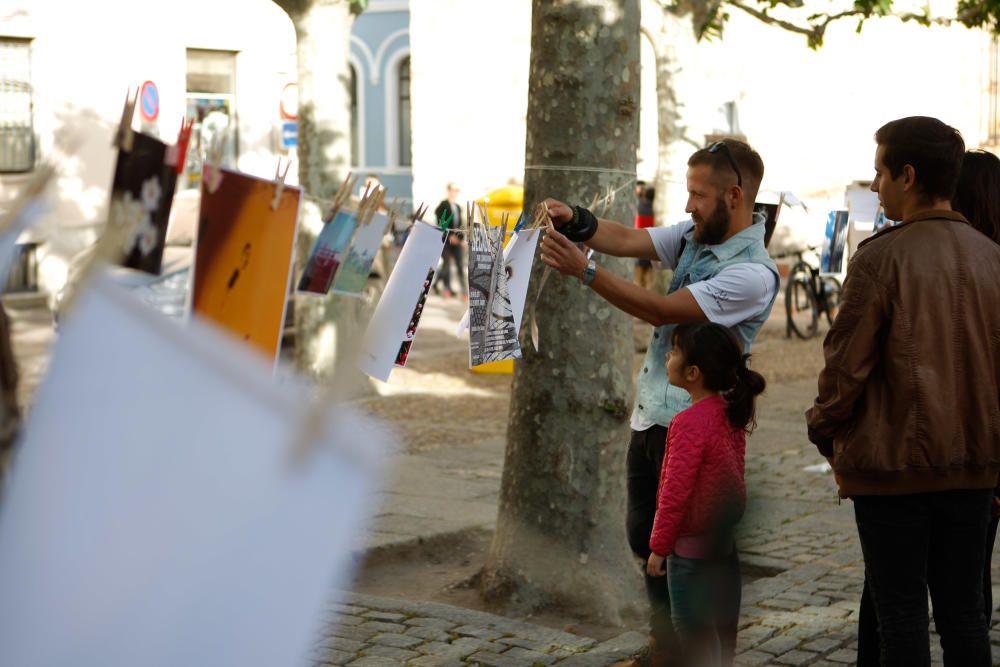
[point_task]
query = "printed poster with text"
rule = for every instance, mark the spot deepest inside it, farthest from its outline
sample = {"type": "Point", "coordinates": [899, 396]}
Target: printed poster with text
{"type": "Point", "coordinates": [243, 258]}
{"type": "Point", "coordinates": [518, 257]}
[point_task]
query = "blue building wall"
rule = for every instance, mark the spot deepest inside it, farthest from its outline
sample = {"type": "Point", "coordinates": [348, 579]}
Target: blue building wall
{"type": "Point", "coordinates": [380, 43]}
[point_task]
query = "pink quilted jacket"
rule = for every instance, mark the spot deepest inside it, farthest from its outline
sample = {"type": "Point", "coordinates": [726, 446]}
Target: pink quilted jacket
{"type": "Point", "coordinates": [702, 475]}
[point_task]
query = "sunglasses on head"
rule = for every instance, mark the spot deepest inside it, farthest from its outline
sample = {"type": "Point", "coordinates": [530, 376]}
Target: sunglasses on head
{"type": "Point", "coordinates": [721, 146]}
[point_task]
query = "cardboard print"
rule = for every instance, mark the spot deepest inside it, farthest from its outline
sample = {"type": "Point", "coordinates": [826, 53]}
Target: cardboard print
{"type": "Point", "coordinates": [411, 329]}
{"type": "Point", "coordinates": [832, 256]}
{"type": "Point", "coordinates": [328, 253]}
{"type": "Point", "coordinates": [186, 528]}
{"type": "Point", "coordinates": [142, 192]}
{"type": "Point", "coordinates": [243, 258]}
{"type": "Point", "coordinates": [768, 215]}
{"type": "Point", "coordinates": [492, 336]}
{"type": "Point", "coordinates": [395, 310]}
{"type": "Point", "coordinates": [353, 273]}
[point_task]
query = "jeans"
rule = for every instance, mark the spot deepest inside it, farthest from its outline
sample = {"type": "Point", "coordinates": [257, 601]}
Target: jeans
{"type": "Point", "coordinates": [705, 597]}
{"type": "Point", "coordinates": [913, 543]}
{"type": "Point", "coordinates": [869, 651]}
{"type": "Point", "coordinates": [645, 457]}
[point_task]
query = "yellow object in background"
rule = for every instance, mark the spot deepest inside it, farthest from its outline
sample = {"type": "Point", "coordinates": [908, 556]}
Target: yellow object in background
{"type": "Point", "coordinates": [510, 200]}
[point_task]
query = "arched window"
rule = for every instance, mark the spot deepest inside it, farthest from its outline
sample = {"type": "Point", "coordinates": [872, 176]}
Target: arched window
{"type": "Point", "coordinates": [403, 107]}
{"type": "Point", "coordinates": [355, 134]}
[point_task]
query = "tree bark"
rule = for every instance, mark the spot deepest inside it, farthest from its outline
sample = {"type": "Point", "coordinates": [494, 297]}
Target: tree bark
{"type": "Point", "coordinates": [326, 328]}
{"type": "Point", "coordinates": [560, 537]}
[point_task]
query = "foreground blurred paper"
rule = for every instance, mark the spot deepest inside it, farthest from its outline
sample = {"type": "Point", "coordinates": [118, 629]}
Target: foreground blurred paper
{"type": "Point", "coordinates": [155, 516]}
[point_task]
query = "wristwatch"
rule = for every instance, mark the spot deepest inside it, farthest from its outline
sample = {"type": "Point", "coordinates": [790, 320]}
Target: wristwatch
{"type": "Point", "coordinates": [589, 273]}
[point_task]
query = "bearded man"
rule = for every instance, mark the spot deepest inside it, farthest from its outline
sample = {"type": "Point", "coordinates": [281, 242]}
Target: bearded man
{"type": "Point", "coordinates": [722, 273]}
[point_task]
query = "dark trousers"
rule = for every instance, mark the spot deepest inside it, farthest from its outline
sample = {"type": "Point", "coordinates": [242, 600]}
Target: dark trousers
{"type": "Point", "coordinates": [452, 255]}
{"type": "Point", "coordinates": [705, 597]}
{"type": "Point", "coordinates": [913, 543]}
{"type": "Point", "coordinates": [645, 457]}
{"type": "Point", "coordinates": [869, 647]}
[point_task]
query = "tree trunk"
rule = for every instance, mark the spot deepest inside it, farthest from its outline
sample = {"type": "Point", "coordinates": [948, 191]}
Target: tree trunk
{"type": "Point", "coordinates": [325, 327]}
{"type": "Point", "coordinates": [560, 536]}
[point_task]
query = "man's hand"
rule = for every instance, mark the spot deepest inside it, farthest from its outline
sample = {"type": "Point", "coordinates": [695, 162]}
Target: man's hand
{"type": "Point", "coordinates": [558, 211]}
{"type": "Point", "coordinates": [655, 565]}
{"type": "Point", "coordinates": [562, 254]}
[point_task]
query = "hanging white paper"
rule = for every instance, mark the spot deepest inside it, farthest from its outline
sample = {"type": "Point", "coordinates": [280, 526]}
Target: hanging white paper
{"type": "Point", "coordinates": [388, 325]}
{"type": "Point", "coordinates": [518, 256]}
{"type": "Point", "coordinates": [154, 514]}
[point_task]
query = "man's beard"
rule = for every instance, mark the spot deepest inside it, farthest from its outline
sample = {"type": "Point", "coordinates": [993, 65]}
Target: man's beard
{"type": "Point", "coordinates": [711, 230]}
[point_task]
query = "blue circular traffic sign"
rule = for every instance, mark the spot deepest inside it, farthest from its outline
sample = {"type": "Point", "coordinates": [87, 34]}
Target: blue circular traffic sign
{"type": "Point", "coordinates": [149, 101]}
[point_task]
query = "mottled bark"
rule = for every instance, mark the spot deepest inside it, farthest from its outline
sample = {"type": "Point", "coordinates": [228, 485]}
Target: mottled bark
{"type": "Point", "coordinates": [560, 535]}
{"type": "Point", "coordinates": [325, 327]}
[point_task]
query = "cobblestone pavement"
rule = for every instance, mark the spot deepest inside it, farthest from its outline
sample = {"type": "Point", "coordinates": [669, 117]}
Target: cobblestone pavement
{"type": "Point", "coordinates": [802, 564]}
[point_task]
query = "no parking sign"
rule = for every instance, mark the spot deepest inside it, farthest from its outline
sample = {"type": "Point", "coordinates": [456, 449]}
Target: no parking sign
{"type": "Point", "coordinates": [149, 101]}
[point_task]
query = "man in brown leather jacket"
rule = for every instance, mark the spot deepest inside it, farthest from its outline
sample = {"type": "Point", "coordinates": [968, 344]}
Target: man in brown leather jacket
{"type": "Point", "coordinates": [908, 410]}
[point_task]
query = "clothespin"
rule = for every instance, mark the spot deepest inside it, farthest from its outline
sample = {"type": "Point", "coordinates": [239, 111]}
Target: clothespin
{"type": "Point", "coordinates": [211, 171]}
{"type": "Point", "coordinates": [179, 150]}
{"type": "Point", "coordinates": [343, 194]}
{"type": "Point", "coordinates": [125, 136]}
{"type": "Point", "coordinates": [445, 220]}
{"type": "Point", "coordinates": [279, 184]}
{"type": "Point", "coordinates": [522, 219]}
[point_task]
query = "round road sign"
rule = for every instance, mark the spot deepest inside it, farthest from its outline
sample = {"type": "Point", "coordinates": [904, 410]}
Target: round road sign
{"type": "Point", "coordinates": [149, 101]}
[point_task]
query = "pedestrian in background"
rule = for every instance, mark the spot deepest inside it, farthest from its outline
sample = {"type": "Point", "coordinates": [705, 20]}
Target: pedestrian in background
{"type": "Point", "coordinates": [644, 219]}
{"type": "Point", "coordinates": [452, 255]}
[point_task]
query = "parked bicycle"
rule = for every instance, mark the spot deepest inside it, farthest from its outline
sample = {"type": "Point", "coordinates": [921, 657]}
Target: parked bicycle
{"type": "Point", "coordinates": [808, 294]}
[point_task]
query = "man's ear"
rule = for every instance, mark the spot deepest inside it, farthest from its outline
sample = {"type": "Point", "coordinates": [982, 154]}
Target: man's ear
{"type": "Point", "coordinates": [909, 177]}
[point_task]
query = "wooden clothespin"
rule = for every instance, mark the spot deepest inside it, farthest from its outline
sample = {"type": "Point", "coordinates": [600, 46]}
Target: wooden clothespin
{"type": "Point", "coordinates": [125, 136]}
{"type": "Point", "coordinates": [178, 152]}
{"type": "Point", "coordinates": [211, 171]}
{"type": "Point", "coordinates": [393, 213]}
{"type": "Point", "coordinates": [279, 184]}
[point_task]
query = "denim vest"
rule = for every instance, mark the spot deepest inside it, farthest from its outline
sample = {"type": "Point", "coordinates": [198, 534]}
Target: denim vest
{"type": "Point", "coordinates": [656, 399]}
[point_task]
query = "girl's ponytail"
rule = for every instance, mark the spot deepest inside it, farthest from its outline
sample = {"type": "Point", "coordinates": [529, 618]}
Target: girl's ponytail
{"type": "Point", "coordinates": [741, 399]}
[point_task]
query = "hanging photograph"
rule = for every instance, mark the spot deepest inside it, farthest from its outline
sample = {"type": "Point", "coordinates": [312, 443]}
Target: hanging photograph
{"type": "Point", "coordinates": [243, 258]}
{"type": "Point", "coordinates": [142, 192]}
{"type": "Point", "coordinates": [353, 273]}
{"type": "Point", "coordinates": [388, 326]}
{"type": "Point", "coordinates": [328, 253]}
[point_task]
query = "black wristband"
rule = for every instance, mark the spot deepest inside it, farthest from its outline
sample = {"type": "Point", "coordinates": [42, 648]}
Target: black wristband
{"type": "Point", "coordinates": [582, 227]}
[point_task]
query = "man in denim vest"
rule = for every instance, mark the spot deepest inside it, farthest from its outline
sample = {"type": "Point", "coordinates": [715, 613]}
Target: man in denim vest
{"type": "Point", "coordinates": [722, 273]}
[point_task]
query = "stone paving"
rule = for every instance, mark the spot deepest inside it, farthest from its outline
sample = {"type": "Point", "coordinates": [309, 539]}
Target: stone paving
{"type": "Point", "coordinates": [802, 564]}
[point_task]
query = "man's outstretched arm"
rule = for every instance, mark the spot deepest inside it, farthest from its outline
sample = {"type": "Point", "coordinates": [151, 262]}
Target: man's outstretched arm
{"type": "Point", "coordinates": [611, 238]}
{"type": "Point", "coordinates": [563, 255]}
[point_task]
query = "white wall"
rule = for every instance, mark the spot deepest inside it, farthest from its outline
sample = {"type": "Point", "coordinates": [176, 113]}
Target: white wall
{"type": "Point", "coordinates": [470, 94]}
{"type": "Point", "coordinates": [85, 55]}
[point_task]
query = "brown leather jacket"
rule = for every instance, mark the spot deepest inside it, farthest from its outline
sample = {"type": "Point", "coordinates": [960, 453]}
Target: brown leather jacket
{"type": "Point", "coordinates": [909, 400]}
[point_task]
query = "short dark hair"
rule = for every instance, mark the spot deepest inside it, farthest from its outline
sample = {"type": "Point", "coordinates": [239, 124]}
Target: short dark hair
{"type": "Point", "coordinates": [649, 193]}
{"type": "Point", "coordinates": [749, 161]}
{"type": "Point", "coordinates": [933, 149]}
{"type": "Point", "coordinates": [977, 195]}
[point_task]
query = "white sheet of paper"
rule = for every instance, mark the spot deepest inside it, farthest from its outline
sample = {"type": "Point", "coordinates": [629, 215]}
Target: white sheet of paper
{"type": "Point", "coordinates": [862, 204]}
{"type": "Point", "coordinates": [387, 327]}
{"type": "Point", "coordinates": [154, 516]}
{"type": "Point", "coordinates": [518, 254]}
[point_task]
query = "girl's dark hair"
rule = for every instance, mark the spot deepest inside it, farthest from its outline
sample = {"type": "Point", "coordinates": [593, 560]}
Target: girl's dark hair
{"type": "Point", "coordinates": [977, 196]}
{"type": "Point", "coordinates": [717, 353]}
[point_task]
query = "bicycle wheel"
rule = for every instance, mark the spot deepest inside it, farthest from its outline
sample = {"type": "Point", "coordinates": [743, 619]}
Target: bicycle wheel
{"type": "Point", "coordinates": [800, 303]}
{"type": "Point", "coordinates": [831, 297]}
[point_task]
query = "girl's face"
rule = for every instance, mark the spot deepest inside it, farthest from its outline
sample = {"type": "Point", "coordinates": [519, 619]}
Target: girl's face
{"type": "Point", "coordinates": [675, 368]}
{"type": "Point", "coordinates": [679, 373]}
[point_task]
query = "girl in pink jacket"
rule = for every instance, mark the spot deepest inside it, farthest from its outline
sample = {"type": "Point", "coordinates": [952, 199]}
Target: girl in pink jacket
{"type": "Point", "coordinates": [702, 494]}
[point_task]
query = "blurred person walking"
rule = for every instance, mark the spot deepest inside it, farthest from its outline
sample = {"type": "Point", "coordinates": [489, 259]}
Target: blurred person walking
{"type": "Point", "coordinates": [452, 255]}
{"type": "Point", "coordinates": [644, 219]}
